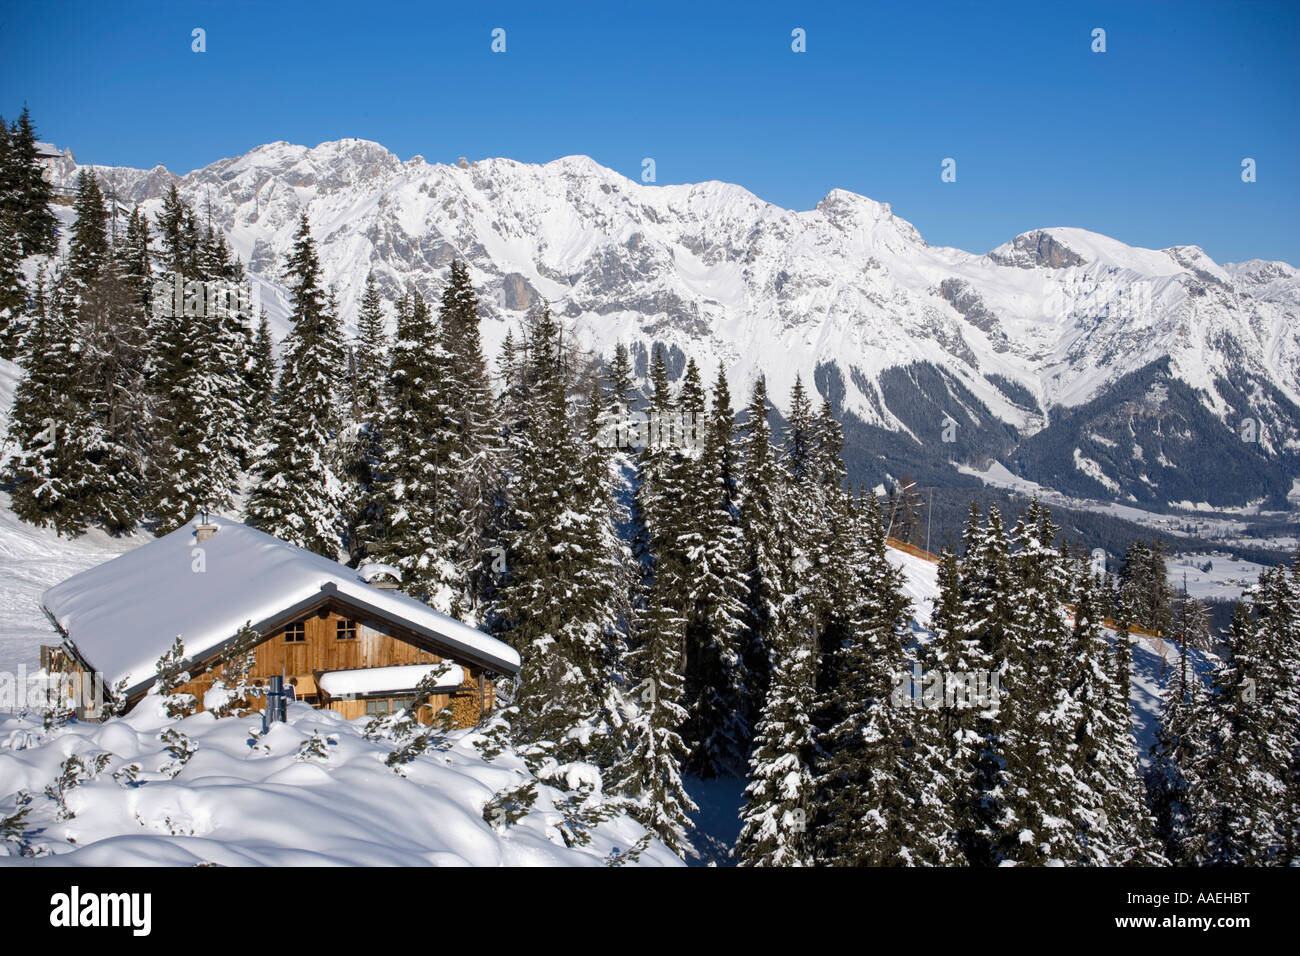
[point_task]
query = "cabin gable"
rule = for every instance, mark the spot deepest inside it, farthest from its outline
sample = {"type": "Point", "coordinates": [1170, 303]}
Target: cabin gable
{"type": "Point", "coordinates": [336, 636]}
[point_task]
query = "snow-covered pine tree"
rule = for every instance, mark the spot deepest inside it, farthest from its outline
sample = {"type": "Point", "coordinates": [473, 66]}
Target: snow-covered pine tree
{"type": "Point", "coordinates": [1290, 666]}
{"type": "Point", "coordinates": [780, 796]}
{"type": "Point", "coordinates": [962, 746]}
{"type": "Point", "coordinates": [832, 553]}
{"type": "Point", "coordinates": [1040, 788]}
{"type": "Point", "coordinates": [210, 416]}
{"type": "Point", "coordinates": [611, 576]}
{"type": "Point", "coordinates": [648, 772]}
{"type": "Point", "coordinates": [260, 381]}
{"type": "Point", "coordinates": [1125, 802]}
{"type": "Point", "coordinates": [762, 492]}
{"type": "Point", "coordinates": [371, 352]}
{"type": "Point", "coordinates": [67, 470]}
{"type": "Point", "coordinates": [817, 514]}
{"type": "Point", "coordinates": [658, 490]}
{"type": "Point", "coordinates": [51, 432]}
{"type": "Point", "coordinates": [882, 798]}
{"type": "Point", "coordinates": [116, 332]}
{"type": "Point", "coordinates": [415, 497]}
{"type": "Point", "coordinates": [554, 605]}
{"type": "Point", "coordinates": [177, 256]}
{"type": "Point", "coordinates": [29, 193]}
{"type": "Point", "coordinates": [1107, 803]}
{"type": "Point", "coordinates": [475, 453]}
{"type": "Point", "coordinates": [1192, 626]}
{"type": "Point", "coordinates": [1180, 755]}
{"type": "Point", "coordinates": [1240, 804]}
{"type": "Point", "coordinates": [297, 494]}
{"type": "Point", "coordinates": [13, 292]}
{"type": "Point", "coordinates": [711, 542]}
{"type": "Point", "coordinates": [363, 446]}
{"type": "Point", "coordinates": [1144, 576]}
{"type": "Point", "coordinates": [989, 619]}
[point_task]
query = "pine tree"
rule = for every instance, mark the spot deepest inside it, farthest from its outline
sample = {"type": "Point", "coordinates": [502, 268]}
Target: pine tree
{"type": "Point", "coordinates": [474, 454]}
{"type": "Point", "coordinates": [957, 654]}
{"type": "Point", "coordinates": [649, 771]}
{"type": "Point", "coordinates": [1180, 755]}
{"type": "Point", "coordinates": [1039, 786]}
{"type": "Point", "coordinates": [114, 326]}
{"type": "Point", "coordinates": [53, 434]}
{"type": "Point", "coordinates": [210, 416]}
{"type": "Point", "coordinates": [1101, 752]}
{"type": "Point", "coordinates": [172, 221]}
{"type": "Point", "coordinates": [260, 383]}
{"type": "Point", "coordinates": [988, 619]}
{"type": "Point", "coordinates": [555, 605]}
{"type": "Point", "coordinates": [1133, 837]}
{"type": "Point", "coordinates": [13, 293]}
{"type": "Point", "coordinates": [28, 194]}
{"type": "Point", "coordinates": [365, 449]}
{"type": "Point", "coordinates": [779, 798]}
{"type": "Point", "coordinates": [415, 501]}
{"type": "Point", "coordinates": [298, 491]}
{"type": "Point", "coordinates": [762, 490]}
{"type": "Point", "coordinates": [871, 808]}
{"type": "Point", "coordinates": [73, 467]}
{"type": "Point", "coordinates": [372, 355]}
{"type": "Point", "coordinates": [1240, 803]}
{"type": "Point", "coordinates": [710, 540]}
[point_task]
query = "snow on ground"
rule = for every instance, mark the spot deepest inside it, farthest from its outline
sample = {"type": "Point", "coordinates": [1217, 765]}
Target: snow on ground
{"type": "Point", "coordinates": [1196, 520]}
{"type": "Point", "coordinates": [717, 821]}
{"type": "Point", "coordinates": [31, 560]}
{"type": "Point", "coordinates": [242, 801]}
{"type": "Point", "coordinates": [920, 583]}
{"type": "Point", "coordinates": [1212, 576]}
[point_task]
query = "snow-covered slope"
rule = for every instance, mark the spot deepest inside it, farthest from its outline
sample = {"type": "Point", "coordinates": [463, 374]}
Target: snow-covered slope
{"type": "Point", "coordinates": [846, 293]}
{"type": "Point", "coordinates": [32, 559]}
{"type": "Point", "coordinates": [241, 800]}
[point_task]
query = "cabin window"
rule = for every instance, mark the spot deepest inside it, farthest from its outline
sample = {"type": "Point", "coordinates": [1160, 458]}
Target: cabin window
{"type": "Point", "coordinates": [347, 630]}
{"type": "Point", "coordinates": [296, 633]}
{"type": "Point", "coordinates": [379, 706]}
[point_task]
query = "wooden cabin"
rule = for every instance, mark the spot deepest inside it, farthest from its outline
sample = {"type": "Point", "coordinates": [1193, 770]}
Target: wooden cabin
{"type": "Point", "coordinates": [344, 639]}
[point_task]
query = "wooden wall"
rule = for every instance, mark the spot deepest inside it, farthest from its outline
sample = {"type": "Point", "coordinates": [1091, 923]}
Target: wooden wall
{"type": "Point", "coordinates": [372, 647]}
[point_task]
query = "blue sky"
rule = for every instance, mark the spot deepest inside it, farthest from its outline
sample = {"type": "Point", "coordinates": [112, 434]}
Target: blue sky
{"type": "Point", "coordinates": [1143, 142]}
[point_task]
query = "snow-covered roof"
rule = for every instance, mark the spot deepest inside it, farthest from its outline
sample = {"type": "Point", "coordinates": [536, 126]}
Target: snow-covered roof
{"type": "Point", "coordinates": [366, 681]}
{"type": "Point", "coordinates": [122, 615]}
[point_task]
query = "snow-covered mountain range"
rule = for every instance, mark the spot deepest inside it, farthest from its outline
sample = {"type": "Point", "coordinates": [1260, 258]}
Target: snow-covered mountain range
{"type": "Point", "coordinates": [1099, 369]}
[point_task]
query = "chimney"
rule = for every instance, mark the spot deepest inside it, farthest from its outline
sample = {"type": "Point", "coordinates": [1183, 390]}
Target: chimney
{"type": "Point", "coordinates": [203, 530]}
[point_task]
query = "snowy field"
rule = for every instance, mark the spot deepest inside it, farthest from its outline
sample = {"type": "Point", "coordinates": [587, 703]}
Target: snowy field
{"type": "Point", "coordinates": [311, 792]}
{"type": "Point", "coordinates": [1212, 576]}
{"type": "Point", "coordinates": [1194, 520]}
